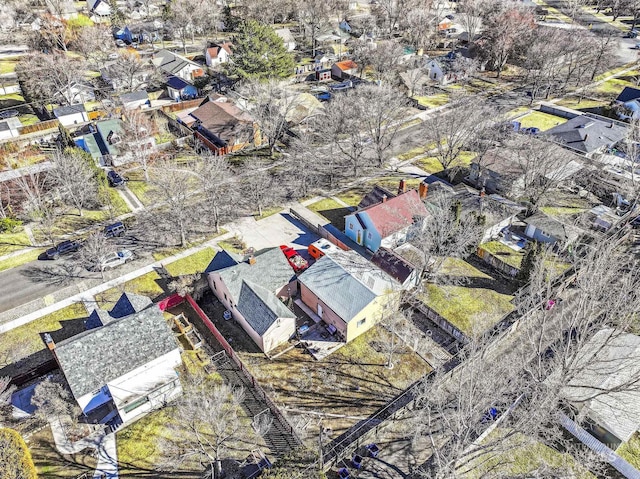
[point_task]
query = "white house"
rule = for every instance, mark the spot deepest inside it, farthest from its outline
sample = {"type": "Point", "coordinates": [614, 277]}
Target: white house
{"type": "Point", "coordinates": [71, 114]}
{"type": "Point", "coordinates": [218, 54]}
{"type": "Point", "coordinates": [251, 291]}
{"type": "Point", "coordinates": [123, 366]}
{"type": "Point", "coordinates": [135, 100]}
{"type": "Point", "coordinates": [99, 8]}
{"type": "Point", "coordinates": [173, 64]}
{"type": "Point", "coordinates": [287, 38]}
{"type": "Point", "coordinates": [9, 128]}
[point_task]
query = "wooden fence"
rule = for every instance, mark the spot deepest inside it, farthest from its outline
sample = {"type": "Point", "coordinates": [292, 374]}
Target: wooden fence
{"type": "Point", "coordinates": [40, 126]}
{"type": "Point", "coordinates": [497, 263]}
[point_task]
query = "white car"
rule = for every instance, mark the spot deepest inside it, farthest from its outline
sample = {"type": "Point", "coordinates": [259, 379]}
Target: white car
{"type": "Point", "coordinates": [114, 260]}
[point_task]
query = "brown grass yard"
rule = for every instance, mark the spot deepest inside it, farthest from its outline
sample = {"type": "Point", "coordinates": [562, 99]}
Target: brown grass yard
{"type": "Point", "coordinates": [51, 464]}
{"type": "Point", "coordinates": [353, 381]}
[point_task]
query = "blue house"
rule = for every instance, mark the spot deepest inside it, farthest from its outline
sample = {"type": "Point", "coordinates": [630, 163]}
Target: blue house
{"type": "Point", "coordinates": [178, 89]}
{"type": "Point", "coordinates": [385, 223]}
{"type": "Point", "coordinates": [123, 34]}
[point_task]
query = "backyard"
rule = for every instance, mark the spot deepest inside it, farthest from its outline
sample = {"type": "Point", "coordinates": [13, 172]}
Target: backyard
{"type": "Point", "coordinates": [538, 119]}
{"type": "Point", "coordinates": [331, 210]}
{"type": "Point", "coordinates": [50, 464]}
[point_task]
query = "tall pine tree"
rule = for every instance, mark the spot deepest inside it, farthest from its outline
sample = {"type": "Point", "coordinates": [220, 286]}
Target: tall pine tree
{"type": "Point", "coordinates": [528, 262]}
{"type": "Point", "coordinates": [259, 54]}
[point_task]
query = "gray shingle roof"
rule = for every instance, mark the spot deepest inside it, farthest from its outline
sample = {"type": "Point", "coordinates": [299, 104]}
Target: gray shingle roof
{"type": "Point", "coordinates": [606, 382]}
{"type": "Point", "coordinates": [68, 110]}
{"type": "Point", "coordinates": [271, 271]}
{"type": "Point", "coordinates": [555, 228]}
{"type": "Point", "coordinates": [171, 62]}
{"type": "Point", "coordinates": [98, 356]}
{"type": "Point", "coordinates": [337, 288]}
{"type": "Point", "coordinates": [260, 307]}
{"type": "Point", "coordinates": [586, 133]}
{"type": "Point", "coordinates": [134, 96]}
{"type": "Point", "coordinates": [129, 303]}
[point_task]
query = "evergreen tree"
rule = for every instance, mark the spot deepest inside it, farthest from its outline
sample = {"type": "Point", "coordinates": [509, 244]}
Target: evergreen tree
{"type": "Point", "coordinates": [259, 54]}
{"type": "Point", "coordinates": [528, 262]}
{"type": "Point", "coordinates": [65, 137]}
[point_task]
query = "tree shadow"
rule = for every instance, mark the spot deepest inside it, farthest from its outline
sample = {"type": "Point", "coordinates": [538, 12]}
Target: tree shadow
{"type": "Point", "coordinates": [60, 274]}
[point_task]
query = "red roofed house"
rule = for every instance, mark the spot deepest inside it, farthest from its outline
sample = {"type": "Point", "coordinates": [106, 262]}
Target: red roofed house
{"type": "Point", "coordinates": [385, 223]}
{"type": "Point", "coordinates": [344, 70]}
{"type": "Point", "coordinates": [223, 127]}
{"type": "Point", "coordinates": [218, 54]}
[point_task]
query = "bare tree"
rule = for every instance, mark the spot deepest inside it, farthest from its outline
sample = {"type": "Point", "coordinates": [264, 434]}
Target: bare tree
{"type": "Point", "coordinates": [383, 109]}
{"type": "Point", "coordinates": [209, 421]}
{"type": "Point", "coordinates": [507, 30]}
{"type": "Point", "coordinates": [392, 325]}
{"type": "Point", "coordinates": [74, 180]}
{"type": "Point", "coordinates": [259, 187]}
{"type": "Point", "coordinates": [456, 130]}
{"type": "Point", "coordinates": [218, 195]}
{"type": "Point", "coordinates": [302, 170]}
{"type": "Point", "coordinates": [272, 107]}
{"type": "Point", "coordinates": [341, 127]}
{"type": "Point", "coordinates": [186, 284]}
{"type": "Point", "coordinates": [414, 79]}
{"type": "Point", "coordinates": [448, 232]}
{"type": "Point", "coordinates": [390, 13]}
{"type": "Point", "coordinates": [137, 138]}
{"type": "Point", "coordinates": [540, 164]}
{"type": "Point", "coordinates": [471, 14]}
{"type": "Point", "coordinates": [172, 187]}
{"type": "Point", "coordinates": [56, 77]}
{"type": "Point", "coordinates": [188, 17]}
{"type": "Point", "coordinates": [51, 399]}
{"type": "Point", "coordinates": [128, 71]}
{"type": "Point", "coordinates": [315, 15]}
{"type": "Point", "coordinates": [382, 60]}
{"type": "Point", "coordinates": [94, 250]}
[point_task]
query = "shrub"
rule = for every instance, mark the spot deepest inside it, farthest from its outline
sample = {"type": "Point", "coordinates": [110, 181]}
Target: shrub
{"type": "Point", "coordinates": [15, 456]}
{"type": "Point", "coordinates": [7, 225]}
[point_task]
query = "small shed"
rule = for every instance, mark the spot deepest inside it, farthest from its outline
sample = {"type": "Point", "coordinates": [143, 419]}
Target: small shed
{"type": "Point", "coordinates": [344, 70]}
{"type": "Point", "coordinates": [178, 89]}
{"type": "Point", "coordinates": [323, 75]}
{"type": "Point", "coordinates": [71, 114]}
{"type": "Point", "coordinates": [135, 99]}
{"type": "Point", "coordinates": [9, 128]}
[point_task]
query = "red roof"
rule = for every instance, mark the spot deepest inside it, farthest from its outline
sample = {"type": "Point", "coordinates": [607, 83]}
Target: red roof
{"type": "Point", "coordinates": [347, 65]}
{"type": "Point", "coordinates": [395, 214]}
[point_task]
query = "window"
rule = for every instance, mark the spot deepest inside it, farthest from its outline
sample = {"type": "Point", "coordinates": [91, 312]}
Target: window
{"type": "Point", "coordinates": [369, 235]}
{"type": "Point", "coordinates": [362, 321]}
{"type": "Point", "coordinates": [214, 285]}
{"type": "Point", "coordinates": [135, 404]}
{"type": "Point", "coordinates": [225, 296]}
{"type": "Point", "coordinates": [350, 226]}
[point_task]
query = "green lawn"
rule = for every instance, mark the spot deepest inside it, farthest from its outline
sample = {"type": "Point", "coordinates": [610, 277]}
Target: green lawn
{"type": "Point", "coordinates": [613, 87]}
{"type": "Point", "coordinates": [506, 254]}
{"type": "Point", "coordinates": [541, 120]}
{"type": "Point", "coordinates": [562, 210]}
{"type": "Point", "coordinates": [430, 164]}
{"type": "Point", "coordinates": [28, 119]}
{"type": "Point", "coordinates": [233, 245]}
{"type": "Point", "coordinates": [65, 322]}
{"type": "Point", "coordinates": [163, 137]}
{"type": "Point", "coordinates": [138, 186]}
{"type": "Point", "coordinates": [13, 241]}
{"type": "Point", "coordinates": [13, 97]}
{"type": "Point", "coordinates": [20, 259]}
{"type": "Point", "coordinates": [332, 210]}
{"type": "Point", "coordinates": [413, 152]}
{"type": "Point", "coordinates": [630, 450]}
{"type": "Point", "coordinates": [518, 455]}
{"type": "Point", "coordinates": [578, 104]}
{"type": "Point", "coordinates": [146, 285]}
{"type": "Point", "coordinates": [459, 267]}
{"type": "Point", "coordinates": [392, 182]}
{"type": "Point", "coordinates": [195, 263]}
{"type": "Point", "coordinates": [468, 309]}
{"type": "Point", "coordinates": [433, 101]}
{"type": "Point", "coordinates": [7, 66]}
{"type": "Point", "coordinates": [352, 197]}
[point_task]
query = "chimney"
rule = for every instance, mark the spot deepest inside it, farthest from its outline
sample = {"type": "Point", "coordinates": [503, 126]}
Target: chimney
{"type": "Point", "coordinates": [423, 190]}
{"type": "Point", "coordinates": [482, 193]}
{"type": "Point", "coordinates": [402, 187]}
{"type": "Point", "coordinates": [384, 198]}
{"type": "Point", "coordinates": [49, 341]}
{"type": "Point", "coordinates": [252, 260]}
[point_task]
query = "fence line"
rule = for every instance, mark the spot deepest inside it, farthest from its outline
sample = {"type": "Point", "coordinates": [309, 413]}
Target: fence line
{"type": "Point", "coordinates": [231, 353]}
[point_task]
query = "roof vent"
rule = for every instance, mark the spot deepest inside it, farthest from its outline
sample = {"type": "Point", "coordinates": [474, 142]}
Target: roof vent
{"type": "Point", "coordinates": [587, 125]}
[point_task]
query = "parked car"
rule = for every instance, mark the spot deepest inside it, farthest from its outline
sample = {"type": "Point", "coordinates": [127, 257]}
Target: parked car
{"type": "Point", "coordinates": [62, 249]}
{"type": "Point", "coordinates": [8, 114]}
{"type": "Point", "coordinates": [631, 34]}
{"type": "Point", "coordinates": [356, 461]}
{"type": "Point", "coordinates": [343, 473]}
{"type": "Point", "coordinates": [115, 229]}
{"type": "Point", "coordinates": [114, 260]}
{"type": "Point", "coordinates": [373, 450]}
{"type": "Point", "coordinates": [120, 43]}
{"type": "Point", "coordinates": [297, 262]}
{"type": "Point", "coordinates": [114, 179]}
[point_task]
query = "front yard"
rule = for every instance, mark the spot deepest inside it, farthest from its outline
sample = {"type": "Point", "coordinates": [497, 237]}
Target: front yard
{"type": "Point", "coordinates": [13, 241]}
{"type": "Point", "coordinates": [50, 464]}
{"type": "Point", "coordinates": [538, 119]}
{"type": "Point", "coordinates": [24, 345]}
{"type": "Point", "coordinates": [331, 210]}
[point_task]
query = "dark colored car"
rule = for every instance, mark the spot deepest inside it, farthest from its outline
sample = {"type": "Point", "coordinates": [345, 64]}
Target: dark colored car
{"type": "Point", "coordinates": [116, 229]}
{"type": "Point", "coordinates": [63, 248]}
{"type": "Point", "coordinates": [323, 96]}
{"type": "Point", "coordinates": [114, 179]}
{"type": "Point", "coordinates": [9, 114]}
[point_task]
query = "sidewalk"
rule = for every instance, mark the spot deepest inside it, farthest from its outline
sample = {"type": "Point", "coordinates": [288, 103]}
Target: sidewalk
{"type": "Point", "coordinates": [107, 466]}
{"type": "Point", "coordinates": [89, 294]}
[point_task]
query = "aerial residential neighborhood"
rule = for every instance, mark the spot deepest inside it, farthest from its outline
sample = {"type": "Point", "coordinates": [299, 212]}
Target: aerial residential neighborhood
{"type": "Point", "coordinates": [323, 239]}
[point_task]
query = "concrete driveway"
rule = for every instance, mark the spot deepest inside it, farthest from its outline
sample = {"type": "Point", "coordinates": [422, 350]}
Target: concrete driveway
{"type": "Point", "coordinates": [273, 231]}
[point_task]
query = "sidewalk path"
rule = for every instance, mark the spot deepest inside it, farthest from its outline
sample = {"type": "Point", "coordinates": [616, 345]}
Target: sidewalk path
{"type": "Point", "coordinates": [107, 458]}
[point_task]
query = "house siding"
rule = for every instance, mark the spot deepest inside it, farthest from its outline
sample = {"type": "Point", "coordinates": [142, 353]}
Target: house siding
{"type": "Point", "coordinates": [538, 235]}
{"type": "Point", "coordinates": [69, 120]}
{"type": "Point", "coordinates": [280, 332]}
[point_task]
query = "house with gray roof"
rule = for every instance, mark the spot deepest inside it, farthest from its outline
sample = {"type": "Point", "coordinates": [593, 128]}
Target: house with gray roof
{"type": "Point", "coordinates": [176, 65]}
{"type": "Point", "coordinates": [253, 292]}
{"type": "Point", "coordinates": [346, 292]}
{"type": "Point", "coordinates": [545, 229]}
{"type": "Point", "coordinates": [71, 114]}
{"type": "Point", "coordinates": [122, 366]}
{"type": "Point", "coordinates": [588, 134]}
{"type": "Point", "coordinates": [604, 391]}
